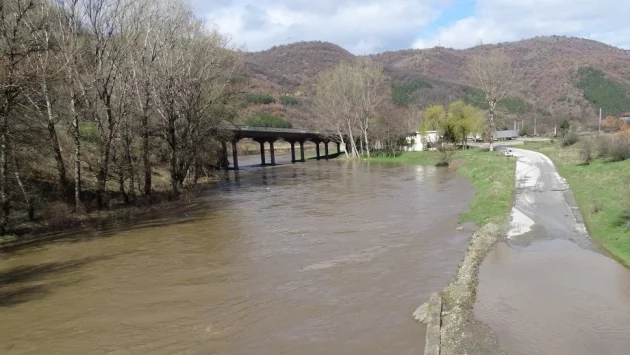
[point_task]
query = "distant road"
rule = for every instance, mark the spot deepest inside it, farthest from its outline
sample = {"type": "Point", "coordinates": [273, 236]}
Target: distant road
{"type": "Point", "coordinates": [510, 143]}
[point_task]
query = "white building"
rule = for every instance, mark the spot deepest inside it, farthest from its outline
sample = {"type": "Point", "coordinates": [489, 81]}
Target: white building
{"type": "Point", "coordinates": [419, 141]}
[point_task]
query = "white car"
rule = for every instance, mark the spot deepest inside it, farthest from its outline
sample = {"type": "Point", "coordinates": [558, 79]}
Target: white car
{"type": "Point", "coordinates": [508, 152]}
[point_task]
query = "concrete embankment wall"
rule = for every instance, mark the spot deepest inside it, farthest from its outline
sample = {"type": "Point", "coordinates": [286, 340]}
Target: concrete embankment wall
{"type": "Point", "coordinates": [451, 326]}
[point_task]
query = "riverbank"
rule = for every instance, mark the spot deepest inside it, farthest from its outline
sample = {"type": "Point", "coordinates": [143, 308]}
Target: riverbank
{"type": "Point", "coordinates": [492, 174]}
{"type": "Point", "coordinates": [601, 190]}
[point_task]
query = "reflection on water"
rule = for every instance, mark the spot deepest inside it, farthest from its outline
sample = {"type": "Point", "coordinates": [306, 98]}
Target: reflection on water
{"type": "Point", "coordinates": [309, 258]}
{"type": "Point", "coordinates": [581, 305]}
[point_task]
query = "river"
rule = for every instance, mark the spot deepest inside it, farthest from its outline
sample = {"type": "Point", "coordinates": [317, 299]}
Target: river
{"type": "Point", "coordinates": [313, 258]}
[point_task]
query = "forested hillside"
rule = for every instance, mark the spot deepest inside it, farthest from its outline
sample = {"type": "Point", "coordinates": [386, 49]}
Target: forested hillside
{"type": "Point", "coordinates": [561, 77]}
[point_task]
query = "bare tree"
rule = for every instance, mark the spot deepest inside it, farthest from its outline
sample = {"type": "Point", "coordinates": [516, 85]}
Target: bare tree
{"type": "Point", "coordinates": [495, 73]}
{"type": "Point", "coordinates": [69, 41]}
{"type": "Point", "coordinates": [47, 65]}
{"type": "Point", "coordinates": [348, 97]}
{"type": "Point", "coordinates": [150, 25]}
{"type": "Point", "coordinates": [194, 72]}
{"type": "Point", "coordinates": [15, 48]}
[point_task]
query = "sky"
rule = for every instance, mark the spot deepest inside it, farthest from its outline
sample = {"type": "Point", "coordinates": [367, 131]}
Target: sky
{"type": "Point", "coordinates": [372, 26]}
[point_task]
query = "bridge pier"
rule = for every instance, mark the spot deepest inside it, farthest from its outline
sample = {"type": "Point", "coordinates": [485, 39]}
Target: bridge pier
{"type": "Point", "coordinates": [292, 152]}
{"type": "Point", "coordinates": [338, 148]}
{"type": "Point", "coordinates": [262, 152]}
{"type": "Point", "coordinates": [272, 153]}
{"type": "Point", "coordinates": [317, 149]}
{"type": "Point", "coordinates": [234, 154]}
{"type": "Point", "coordinates": [302, 152]}
{"type": "Point", "coordinates": [224, 156]}
{"type": "Point", "coordinates": [326, 149]}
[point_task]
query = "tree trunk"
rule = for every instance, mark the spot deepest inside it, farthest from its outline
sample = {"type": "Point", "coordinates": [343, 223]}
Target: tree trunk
{"type": "Point", "coordinates": [129, 161]}
{"type": "Point", "coordinates": [361, 145]}
{"type": "Point", "coordinates": [77, 161]}
{"type": "Point", "coordinates": [492, 130]}
{"type": "Point", "coordinates": [146, 158]}
{"type": "Point", "coordinates": [52, 132]}
{"type": "Point", "coordinates": [173, 143]}
{"type": "Point", "coordinates": [341, 140]}
{"type": "Point", "coordinates": [102, 176]}
{"type": "Point", "coordinates": [18, 179]}
{"type": "Point", "coordinates": [367, 143]}
{"type": "Point", "coordinates": [4, 196]}
{"type": "Point", "coordinates": [121, 185]}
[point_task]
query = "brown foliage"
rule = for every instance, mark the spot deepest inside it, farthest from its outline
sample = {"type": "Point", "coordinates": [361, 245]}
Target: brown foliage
{"type": "Point", "coordinates": [548, 68]}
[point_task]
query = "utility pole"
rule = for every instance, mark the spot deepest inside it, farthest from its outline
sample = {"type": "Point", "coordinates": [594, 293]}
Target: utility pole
{"type": "Point", "coordinates": [600, 120]}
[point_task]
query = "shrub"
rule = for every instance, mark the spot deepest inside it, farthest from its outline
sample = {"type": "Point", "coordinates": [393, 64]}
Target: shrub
{"type": "Point", "coordinates": [239, 79]}
{"type": "Point", "coordinates": [445, 155]}
{"type": "Point", "coordinates": [385, 153]}
{"type": "Point", "coordinates": [586, 151]}
{"type": "Point", "coordinates": [616, 148]}
{"type": "Point", "coordinates": [620, 149]}
{"type": "Point", "coordinates": [289, 100]}
{"type": "Point", "coordinates": [604, 143]}
{"type": "Point", "coordinates": [263, 119]}
{"type": "Point", "coordinates": [260, 99]}
{"type": "Point", "coordinates": [89, 133]}
{"type": "Point", "coordinates": [570, 139]}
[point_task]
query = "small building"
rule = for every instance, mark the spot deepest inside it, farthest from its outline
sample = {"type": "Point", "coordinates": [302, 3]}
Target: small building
{"type": "Point", "coordinates": [419, 141]}
{"type": "Point", "coordinates": [625, 116]}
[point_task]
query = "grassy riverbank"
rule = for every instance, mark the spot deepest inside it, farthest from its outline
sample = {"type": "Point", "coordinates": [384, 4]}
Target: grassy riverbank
{"type": "Point", "coordinates": [602, 192]}
{"type": "Point", "coordinates": [492, 174]}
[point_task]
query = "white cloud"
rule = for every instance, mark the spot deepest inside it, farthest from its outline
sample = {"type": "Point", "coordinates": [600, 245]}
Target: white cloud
{"type": "Point", "coordinates": [359, 26]}
{"type": "Point", "coordinates": [507, 20]}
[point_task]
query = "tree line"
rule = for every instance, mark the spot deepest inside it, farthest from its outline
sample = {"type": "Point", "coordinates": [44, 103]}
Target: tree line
{"type": "Point", "coordinates": [104, 89]}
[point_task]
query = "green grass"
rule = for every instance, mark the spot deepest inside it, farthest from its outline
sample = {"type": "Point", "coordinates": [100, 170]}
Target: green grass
{"type": "Point", "coordinates": [492, 175]}
{"type": "Point", "coordinates": [602, 192]}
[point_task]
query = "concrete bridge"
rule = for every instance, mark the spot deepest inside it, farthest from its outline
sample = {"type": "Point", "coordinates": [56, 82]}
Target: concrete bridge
{"type": "Point", "coordinates": [264, 135]}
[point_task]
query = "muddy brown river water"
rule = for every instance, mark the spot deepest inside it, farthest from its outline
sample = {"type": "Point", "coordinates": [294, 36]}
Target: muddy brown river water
{"type": "Point", "coordinates": [316, 258]}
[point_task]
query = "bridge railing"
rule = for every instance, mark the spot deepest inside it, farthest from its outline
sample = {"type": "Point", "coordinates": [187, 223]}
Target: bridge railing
{"type": "Point", "coordinates": [273, 129]}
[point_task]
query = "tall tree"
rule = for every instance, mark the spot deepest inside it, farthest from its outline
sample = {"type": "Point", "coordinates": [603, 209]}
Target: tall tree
{"type": "Point", "coordinates": [466, 119]}
{"type": "Point", "coordinates": [16, 46]}
{"type": "Point", "coordinates": [194, 72]}
{"type": "Point", "coordinates": [495, 73]}
{"type": "Point", "coordinates": [349, 96]}
{"type": "Point", "coordinates": [47, 65]}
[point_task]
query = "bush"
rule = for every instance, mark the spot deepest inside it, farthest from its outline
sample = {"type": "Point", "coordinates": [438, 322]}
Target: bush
{"type": "Point", "coordinates": [604, 143]}
{"type": "Point", "coordinates": [289, 100]}
{"type": "Point", "coordinates": [586, 151]}
{"type": "Point", "coordinates": [616, 148]}
{"type": "Point", "coordinates": [570, 139]}
{"type": "Point", "coordinates": [445, 155]}
{"type": "Point", "coordinates": [239, 79]}
{"type": "Point", "coordinates": [385, 153]}
{"type": "Point", "coordinates": [89, 133]}
{"type": "Point", "coordinates": [620, 149]}
{"type": "Point", "coordinates": [263, 119]}
{"type": "Point", "coordinates": [260, 99]}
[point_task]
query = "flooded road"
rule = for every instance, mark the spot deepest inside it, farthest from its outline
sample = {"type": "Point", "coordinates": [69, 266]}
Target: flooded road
{"type": "Point", "coordinates": [550, 289]}
{"type": "Point", "coordinates": [329, 257]}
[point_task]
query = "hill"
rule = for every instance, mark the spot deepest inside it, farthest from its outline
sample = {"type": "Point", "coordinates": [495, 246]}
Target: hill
{"type": "Point", "coordinates": [292, 64]}
{"type": "Point", "coordinates": [552, 81]}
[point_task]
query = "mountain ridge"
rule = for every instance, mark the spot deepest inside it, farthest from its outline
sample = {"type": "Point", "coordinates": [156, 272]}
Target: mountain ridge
{"type": "Point", "coordinates": [549, 66]}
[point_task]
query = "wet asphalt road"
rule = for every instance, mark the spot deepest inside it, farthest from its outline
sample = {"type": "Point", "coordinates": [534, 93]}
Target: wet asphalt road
{"type": "Point", "coordinates": [550, 289]}
{"type": "Point", "coordinates": [544, 206]}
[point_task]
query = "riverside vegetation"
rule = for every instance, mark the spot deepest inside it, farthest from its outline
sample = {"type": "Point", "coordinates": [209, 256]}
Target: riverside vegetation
{"type": "Point", "coordinates": [600, 184]}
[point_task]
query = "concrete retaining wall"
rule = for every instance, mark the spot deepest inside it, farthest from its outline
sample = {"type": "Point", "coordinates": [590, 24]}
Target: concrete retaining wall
{"type": "Point", "coordinates": [434, 323]}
